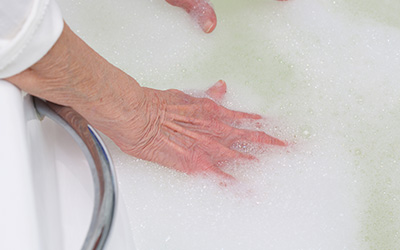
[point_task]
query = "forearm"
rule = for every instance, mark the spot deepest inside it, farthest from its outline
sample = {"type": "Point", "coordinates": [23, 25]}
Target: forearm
{"type": "Point", "coordinates": [189, 134]}
{"type": "Point", "coordinates": [72, 74]}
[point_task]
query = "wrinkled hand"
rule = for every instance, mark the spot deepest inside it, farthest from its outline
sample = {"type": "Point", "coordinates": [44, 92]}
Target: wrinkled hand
{"type": "Point", "coordinates": [192, 135]}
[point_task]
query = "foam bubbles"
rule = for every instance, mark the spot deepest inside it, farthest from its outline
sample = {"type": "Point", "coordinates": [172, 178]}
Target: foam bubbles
{"type": "Point", "coordinates": [324, 74]}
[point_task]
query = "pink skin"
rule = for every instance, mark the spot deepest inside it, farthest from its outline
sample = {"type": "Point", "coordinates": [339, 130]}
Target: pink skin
{"type": "Point", "coordinates": [201, 11]}
{"type": "Point", "coordinates": [218, 91]}
{"type": "Point", "coordinates": [192, 135]}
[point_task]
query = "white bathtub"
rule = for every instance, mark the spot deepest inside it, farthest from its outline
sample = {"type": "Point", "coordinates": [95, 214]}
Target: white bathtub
{"type": "Point", "coordinates": [46, 184]}
{"type": "Point", "coordinates": [325, 73]}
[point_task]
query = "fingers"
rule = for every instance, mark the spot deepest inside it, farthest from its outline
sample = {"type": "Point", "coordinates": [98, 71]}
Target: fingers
{"type": "Point", "coordinates": [217, 151]}
{"type": "Point", "coordinates": [199, 161]}
{"type": "Point", "coordinates": [225, 179]}
{"type": "Point", "coordinates": [226, 134]}
{"type": "Point", "coordinates": [217, 91]}
{"type": "Point", "coordinates": [200, 107]}
{"type": "Point", "coordinates": [232, 116]}
{"type": "Point", "coordinates": [202, 154]}
{"type": "Point", "coordinates": [200, 10]}
{"type": "Point", "coordinates": [201, 133]}
{"type": "Point", "coordinates": [260, 138]}
{"type": "Point", "coordinates": [205, 16]}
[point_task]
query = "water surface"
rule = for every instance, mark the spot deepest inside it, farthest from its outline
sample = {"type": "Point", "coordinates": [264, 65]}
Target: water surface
{"type": "Point", "coordinates": [324, 73]}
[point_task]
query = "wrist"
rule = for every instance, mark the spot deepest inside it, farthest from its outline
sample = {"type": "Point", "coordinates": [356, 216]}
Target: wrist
{"type": "Point", "coordinates": [72, 74]}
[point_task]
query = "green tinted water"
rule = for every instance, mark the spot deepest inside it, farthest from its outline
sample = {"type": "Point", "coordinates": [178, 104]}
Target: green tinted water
{"type": "Point", "coordinates": [325, 72]}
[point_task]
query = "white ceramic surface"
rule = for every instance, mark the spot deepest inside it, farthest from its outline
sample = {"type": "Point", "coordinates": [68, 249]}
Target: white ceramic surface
{"type": "Point", "coordinates": [45, 183]}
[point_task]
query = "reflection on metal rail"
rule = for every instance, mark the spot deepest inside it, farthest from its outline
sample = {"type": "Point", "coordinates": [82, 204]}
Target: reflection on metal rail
{"type": "Point", "coordinates": [100, 165]}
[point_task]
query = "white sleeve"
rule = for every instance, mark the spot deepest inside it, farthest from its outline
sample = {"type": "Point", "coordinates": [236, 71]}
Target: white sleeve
{"type": "Point", "coordinates": [28, 30]}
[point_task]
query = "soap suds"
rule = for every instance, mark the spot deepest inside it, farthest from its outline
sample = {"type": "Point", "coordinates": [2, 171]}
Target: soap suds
{"type": "Point", "coordinates": [324, 73]}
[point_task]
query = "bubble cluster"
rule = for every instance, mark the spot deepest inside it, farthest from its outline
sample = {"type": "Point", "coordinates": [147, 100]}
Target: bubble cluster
{"type": "Point", "coordinates": [323, 73]}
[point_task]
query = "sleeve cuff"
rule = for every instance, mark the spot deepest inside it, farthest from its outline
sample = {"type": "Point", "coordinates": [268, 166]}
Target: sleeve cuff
{"type": "Point", "coordinates": [34, 41]}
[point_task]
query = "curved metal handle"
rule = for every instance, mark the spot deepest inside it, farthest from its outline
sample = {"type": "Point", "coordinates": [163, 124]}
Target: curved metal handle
{"type": "Point", "coordinates": [100, 165]}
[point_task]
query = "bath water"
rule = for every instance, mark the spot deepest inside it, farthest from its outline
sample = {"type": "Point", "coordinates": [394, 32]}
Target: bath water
{"type": "Point", "coordinates": [325, 75]}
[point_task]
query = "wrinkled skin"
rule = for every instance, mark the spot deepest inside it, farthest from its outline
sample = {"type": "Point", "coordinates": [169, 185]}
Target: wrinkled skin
{"type": "Point", "coordinates": [201, 11]}
{"type": "Point", "coordinates": [192, 135]}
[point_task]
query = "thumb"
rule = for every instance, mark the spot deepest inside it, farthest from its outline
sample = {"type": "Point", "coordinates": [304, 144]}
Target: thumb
{"type": "Point", "coordinates": [217, 91]}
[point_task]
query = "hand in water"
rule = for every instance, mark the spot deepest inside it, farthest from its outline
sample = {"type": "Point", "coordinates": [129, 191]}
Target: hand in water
{"type": "Point", "coordinates": [201, 11]}
{"type": "Point", "coordinates": [192, 135]}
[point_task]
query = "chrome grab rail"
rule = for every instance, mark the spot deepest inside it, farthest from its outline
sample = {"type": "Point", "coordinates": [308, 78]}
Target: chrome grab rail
{"type": "Point", "coordinates": [101, 167]}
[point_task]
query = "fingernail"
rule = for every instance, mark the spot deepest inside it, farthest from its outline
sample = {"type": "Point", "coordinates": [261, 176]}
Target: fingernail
{"type": "Point", "coordinates": [209, 26]}
{"type": "Point", "coordinates": [219, 83]}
